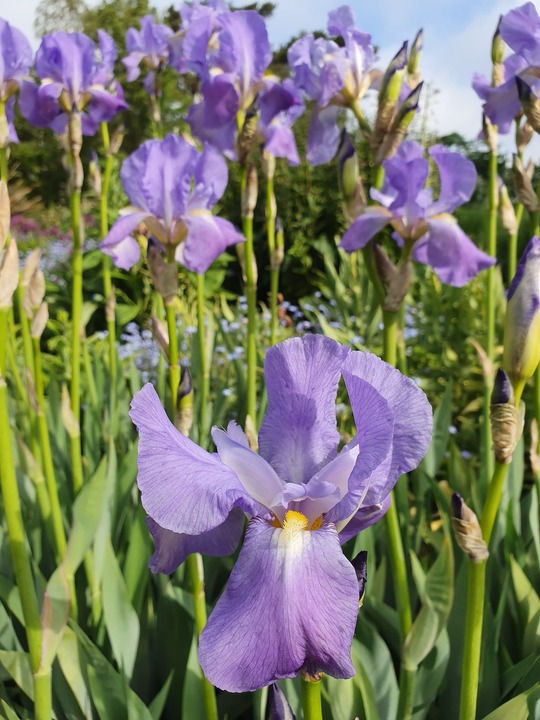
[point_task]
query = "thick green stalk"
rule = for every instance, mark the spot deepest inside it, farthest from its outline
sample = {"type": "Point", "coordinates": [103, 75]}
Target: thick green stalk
{"type": "Point", "coordinates": [108, 290]}
{"type": "Point", "coordinates": [3, 148]}
{"type": "Point", "coordinates": [48, 466]}
{"type": "Point", "coordinates": [273, 256]}
{"type": "Point", "coordinates": [76, 321]}
{"type": "Point", "coordinates": [491, 249]}
{"type": "Point", "coordinates": [311, 699]}
{"type": "Point", "coordinates": [196, 578]}
{"type": "Point", "coordinates": [204, 389]}
{"type": "Point", "coordinates": [251, 296]}
{"type": "Point", "coordinates": [398, 564]}
{"type": "Point", "coordinates": [19, 552]}
{"type": "Point", "coordinates": [174, 365]}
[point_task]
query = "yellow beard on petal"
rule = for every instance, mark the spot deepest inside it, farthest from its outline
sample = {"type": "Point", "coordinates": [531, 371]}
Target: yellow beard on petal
{"type": "Point", "coordinates": [294, 522]}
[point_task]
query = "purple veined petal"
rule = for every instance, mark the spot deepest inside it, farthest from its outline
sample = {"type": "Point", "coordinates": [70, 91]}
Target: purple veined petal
{"type": "Point", "coordinates": [15, 55]}
{"type": "Point", "coordinates": [244, 50]}
{"type": "Point", "coordinates": [340, 21]}
{"type": "Point", "coordinates": [189, 53]}
{"type": "Point", "coordinates": [407, 180]}
{"type": "Point", "coordinates": [366, 374]}
{"type": "Point", "coordinates": [132, 64]}
{"type": "Point", "coordinates": [173, 548]}
{"type": "Point", "coordinates": [257, 477]}
{"type": "Point", "coordinates": [68, 59]}
{"type": "Point", "coordinates": [104, 105]}
{"type": "Point", "coordinates": [108, 53]}
{"type": "Point", "coordinates": [520, 30]}
{"type": "Point", "coordinates": [452, 254]}
{"type": "Point", "coordinates": [298, 435]}
{"type": "Point", "coordinates": [213, 119]}
{"type": "Point", "coordinates": [306, 58]}
{"type": "Point", "coordinates": [277, 98]}
{"type": "Point", "coordinates": [211, 177]}
{"type": "Point", "coordinates": [10, 116]}
{"type": "Point", "coordinates": [235, 432]}
{"type": "Point", "coordinates": [290, 604]}
{"type": "Point", "coordinates": [89, 126]}
{"type": "Point", "coordinates": [458, 179]}
{"type": "Point", "coordinates": [125, 253]}
{"type": "Point", "coordinates": [364, 518]}
{"type": "Point", "coordinates": [183, 488]}
{"type": "Point", "coordinates": [123, 249]}
{"type": "Point", "coordinates": [364, 228]}
{"type": "Point", "coordinates": [281, 143]}
{"type": "Point", "coordinates": [207, 238]}
{"type": "Point", "coordinates": [334, 76]}
{"type": "Point", "coordinates": [40, 105]}
{"type": "Point", "coordinates": [323, 135]}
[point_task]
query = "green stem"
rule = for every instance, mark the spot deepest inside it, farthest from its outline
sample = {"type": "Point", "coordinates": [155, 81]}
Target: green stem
{"type": "Point", "coordinates": [251, 296]}
{"type": "Point", "coordinates": [203, 369]}
{"type": "Point", "coordinates": [311, 699]}
{"type": "Point", "coordinates": [513, 244]}
{"type": "Point", "coordinates": [76, 321]}
{"type": "Point", "coordinates": [19, 552]}
{"type": "Point", "coordinates": [48, 466]}
{"type": "Point", "coordinates": [108, 290]}
{"type": "Point", "coordinates": [398, 564]}
{"type": "Point", "coordinates": [274, 257]}
{"type": "Point", "coordinates": [3, 149]}
{"type": "Point", "coordinates": [174, 365]}
{"type": "Point", "coordinates": [196, 578]}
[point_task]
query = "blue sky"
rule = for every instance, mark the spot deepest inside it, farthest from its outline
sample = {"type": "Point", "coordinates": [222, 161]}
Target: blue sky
{"type": "Point", "coordinates": [457, 39]}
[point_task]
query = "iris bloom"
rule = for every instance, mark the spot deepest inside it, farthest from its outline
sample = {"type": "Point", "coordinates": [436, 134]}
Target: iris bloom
{"type": "Point", "coordinates": [420, 220]}
{"type": "Point", "coordinates": [230, 52]}
{"type": "Point", "coordinates": [148, 46]}
{"type": "Point", "coordinates": [172, 188]}
{"type": "Point", "coordinates": [75, 77]}
{"type": "Point", "coordinates": [292, 598]}
{"type": "Point", "coordinates": [522, 323]}
{"type": "Point", "coordinates": [520, 30]}
{"type": "Point", "coordinates": [15, 61]}
{"type": "Point", "coordinates": [333, 76]}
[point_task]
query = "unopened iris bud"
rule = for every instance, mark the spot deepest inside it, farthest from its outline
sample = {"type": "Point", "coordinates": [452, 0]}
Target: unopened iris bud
{"type": "Point", "coordinates": [40, 321]}
{"type": "Point", "coordinates": [94, 173]}
{"type": "Point", "coordinates": [524, 135]}
{"type": "Point", "coordinates": [389, 91]}
{"type": "Point", "coordinates": [249, 192]}
{"type": "Point", "coordinates": [529, 102]}
{"type": "Point", "coordinates": [348, 171]}
{"type": "Point", "coordinates": [279, 250]}
{"type": "Point", "coordinates": [467, 530]}
{"type": "Point", "coordinates": [360, 566]}
{"type": "Point", "coordinates": [5, 213]}
{"type": "Point", "coordinates": [117, 140]}
{"type": "Point", "coordinates": [279, 708]}
{"type": "Point", "coordinates": [9, 274]}
{"type": "Point", "coordinates": [506, 210]}
{"type": "Point", "coordinates": [399, 126]}
{"type": "Point", "coordinates": [523, 185]}
{"type": "Point", "coordinates": [522, 321]}
{"type": "Point", "coordinates": [414, 55]}
{"type": "Point", "coordinates": [506, 421]}
{"type": "Point", "coordinates": [497, 45]}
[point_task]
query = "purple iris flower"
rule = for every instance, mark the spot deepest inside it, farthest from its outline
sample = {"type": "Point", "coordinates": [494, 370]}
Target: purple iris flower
{"type": "Point", "coordinates": [418, 219]}
{"type": "Point", "coordinates": [230, 51]}
{"type": "Point", "coordinates": [520, 29]}
{"type": "Point", "coordinates": [76, 77]}
{"type": "Point", "coordinates": [172, 188]}
{"type": "Point", "coordinates": [15, 61]}
{"type": "Point", "coordinates": [292, 598]}
{"type": "Point", "coordinates": [148, 46]}
{"type": "Point", "coordinates": [333, 76]}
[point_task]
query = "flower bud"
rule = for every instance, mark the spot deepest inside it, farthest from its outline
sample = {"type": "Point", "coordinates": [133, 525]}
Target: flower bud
{"type": "Point", "coordinates": [183, 416]}
{"type": "Point", "coordinates": [522, 321]}
{"type": "Point", "coordinates": [524, 135]}
{"type": "Point", "coordinates": [40, 321]}
{"type": "Point", "coordinates": [523, 186]}
{"type": "Point", "coordinates": [5, 213]}
{"type": "Point", "coordinates": [529, 102]}
{"type": "Point", "coordinates": [9, 274]}
{"type": "Point", "coordinates": [399, 125]}
{"type": "Point", "coordinates": [350, 181]}
{"type": "Point", "coordinates": [279, 708]}
{"type": "Point", "coordinates": [497, 45]}
{"type": "Point", "coordinates": [360, 566]}
{"type": "Point", "coordinates": [279, 250]}
{"type": "Point", "coordinates": [94, 173]}
{"type": "Point", "coordinates": [506, 421]}
{"type": "Point", "coordinates": [467, 530]}
{"type": "Point", "coordinates": [117, 140]}
{"type": "Point", "coordinates": [506, 210]}
{"type": "Point", "coordinates": [389, 91]}
{"type": "Point", "coordinates": [414, 59]}
{"type": "Point", "coordinates": [249, 192]}
{"type": "Point", "coordinates": [395, 278]}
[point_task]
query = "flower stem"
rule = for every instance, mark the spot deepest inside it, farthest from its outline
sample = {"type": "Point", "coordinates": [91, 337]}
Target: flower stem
{"type": "Point", "coordinates": [513, 244]}
{"type": "Point", "coordinates": [48, 466]}
{"type": "Point", "coordinates": [251, 296]}
{"type": "Point", "coordinates": [274, 256]}
{"type": "Point", "coordinates": [19, 552]}
{"type": "Point", "coordinates": [203, 365]}
{"type": "Point", "coordinates": [398, 565]}
{"type": "Point", "coordinates": [311, 699]}
{"type": "Point", "coordinates": [174, 365]}
{"type": "Point", "coordinates": [76, 319]}
{"type": "Point", "coordinates": [108, 290]}
{"type": "Point", "coordinates": [196, 577]}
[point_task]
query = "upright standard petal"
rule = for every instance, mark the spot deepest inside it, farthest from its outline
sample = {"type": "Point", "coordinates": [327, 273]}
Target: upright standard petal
{"type": "Point", "coordinates": [184, 488]}
{"type": "Point", "coordinates": [520, 29]}
{"type": "Point", "coordinates": [299, 434]}
{"type": "Point", "coordinates": [458, 179]}
{"type": "Point", "coordinates": [15, 56]}
{"type": "Point", "coordinates": [451, 253]}
{"type": "Point", "coordinates": [173, 548]}
{"type": "Point", "coordinates": [290, 605]}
